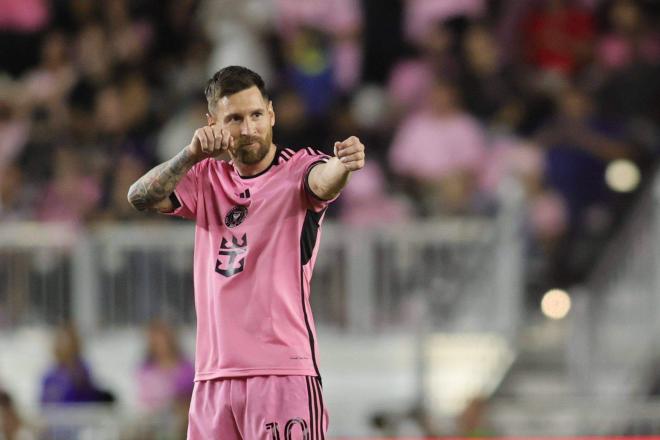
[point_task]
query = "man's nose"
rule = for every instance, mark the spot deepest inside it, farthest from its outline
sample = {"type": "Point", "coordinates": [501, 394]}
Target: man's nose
{"type": "Point", "coordinates": [246, 127]}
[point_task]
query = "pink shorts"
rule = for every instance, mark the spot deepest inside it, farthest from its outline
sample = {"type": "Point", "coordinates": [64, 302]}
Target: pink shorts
{"type": "Point", "coordinates": [258, 408]}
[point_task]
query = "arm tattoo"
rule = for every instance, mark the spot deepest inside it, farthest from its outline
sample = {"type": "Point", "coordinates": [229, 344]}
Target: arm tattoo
{"type": "Point", "coordinates": [159, 183]}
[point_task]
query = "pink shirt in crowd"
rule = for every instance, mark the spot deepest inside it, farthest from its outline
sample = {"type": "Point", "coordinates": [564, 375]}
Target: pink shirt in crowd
{"type": "Point", "coordinates": [159, 387]}
{"type": "Point", "coordinates": [432, 147]}
{"type": "Point", "coordinates": [256, 240]}
{"type": "Point", "coordinates": [421, 15]}
{"type": "Point", "coordinates": [23, 15]}
{"type": "Point", "coordinates": [332, 16]}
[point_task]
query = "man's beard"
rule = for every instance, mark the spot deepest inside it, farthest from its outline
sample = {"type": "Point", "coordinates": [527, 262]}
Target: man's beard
{"type": "Point", "coordinates": [251, 155]}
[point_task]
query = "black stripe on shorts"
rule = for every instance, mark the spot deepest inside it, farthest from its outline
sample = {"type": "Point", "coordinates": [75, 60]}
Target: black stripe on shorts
{"type": "Point", "coordinates": [311, 414]}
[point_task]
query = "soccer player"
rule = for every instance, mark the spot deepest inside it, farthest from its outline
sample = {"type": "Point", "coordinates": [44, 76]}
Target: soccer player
{"type": "Point", "coordinates": [258, 217]}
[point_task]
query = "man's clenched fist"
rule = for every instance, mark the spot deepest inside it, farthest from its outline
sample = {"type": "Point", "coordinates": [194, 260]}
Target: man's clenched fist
{"type": "Point", "coordinates": [351, 153]}
{"type": "Point", "coordinates": [210, 141]}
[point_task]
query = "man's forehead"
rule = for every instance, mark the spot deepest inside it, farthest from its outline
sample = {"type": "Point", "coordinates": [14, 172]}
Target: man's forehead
{"type": "Point", "coordinates": [243, 100]}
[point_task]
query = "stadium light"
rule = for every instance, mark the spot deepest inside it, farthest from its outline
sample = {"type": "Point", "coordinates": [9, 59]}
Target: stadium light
{"type": "Point", "coordinates": [622, 176]}
{"type": "Point", "coordinates": [556, 304]}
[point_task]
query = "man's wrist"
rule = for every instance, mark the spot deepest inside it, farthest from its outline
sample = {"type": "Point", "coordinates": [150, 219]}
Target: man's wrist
{"type": "Point", "coordinates": [190, 156]}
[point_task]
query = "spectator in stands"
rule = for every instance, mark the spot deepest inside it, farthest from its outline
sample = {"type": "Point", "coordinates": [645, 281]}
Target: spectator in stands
{"type": "Point", "coordinates": [47, 84]}
{"type": "Point", "coordinates": [129, 169]}
{"type": "Point", "coordinates": [421, 16]}
{"type": "Point", "coordinates": [628, 37]}
{"type": "Point", "coordinates": [15, 195]}
{"type": "Point", "coordinates": [165, 378]}
{"type": "Point", "coordinates": [14, 132]}
{"type": "Point", "coordinates": [412, 78]}
{"type": "Point", "coordinates": [293, 126]}
{"type": "Point", "coordinates": [557, 37]}
{"type": "Point", "coordinates": [11, 425]}
{"type": "Point", "coordinates": [488, 86]}
{"type": "Point", "coordinates": [370, 203]}
{"type": "Point", "coordinates": [70, 380]}
{"type": "Point", "coordinates": [628, 54]}
{"type": "Point", "coordinates": [578, 147]}
{"type": "Point", "coordinates": [322, 30]}
{"type": "Point", "coordinates": [71, 196]}
{"type": "Point", "coordinates": [440, 150]}
{"type": "Point", "coordinates": [21, 22]}
{"type": "Point", "coordinates": [93, 55]}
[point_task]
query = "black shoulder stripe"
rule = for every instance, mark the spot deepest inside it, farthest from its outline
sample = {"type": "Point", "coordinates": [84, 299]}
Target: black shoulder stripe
{"type": "Point", "coordinates": [320, 153]}
{"type": "Point", "coordinates": [290, 151]}
{"type": "Point", "coordinates": [175, 201]}
{"type": "Point", "coordinates": [283, 156]}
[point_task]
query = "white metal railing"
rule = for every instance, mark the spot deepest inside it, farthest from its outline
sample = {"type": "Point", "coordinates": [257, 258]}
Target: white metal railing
{"type": "Point", "coordinates": [463, 273]}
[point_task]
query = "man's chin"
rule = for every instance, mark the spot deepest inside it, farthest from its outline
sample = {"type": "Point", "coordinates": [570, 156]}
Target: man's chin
{"type": "Point", "coordinates": [252, 153]}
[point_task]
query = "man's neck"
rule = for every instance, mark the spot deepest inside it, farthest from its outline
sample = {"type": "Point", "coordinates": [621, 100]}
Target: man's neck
{"type": "Point", "coordinates": [249, 170]}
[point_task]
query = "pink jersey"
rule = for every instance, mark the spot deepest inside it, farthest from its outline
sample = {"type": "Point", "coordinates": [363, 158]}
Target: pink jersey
{"type": "Point", "coordinates": [256, 240]}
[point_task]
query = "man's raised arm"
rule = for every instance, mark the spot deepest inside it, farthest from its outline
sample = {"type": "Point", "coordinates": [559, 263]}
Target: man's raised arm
{"type": "Point", "coordinates": [328, 179]}
{"type": "Point", "coordinates": [152, 191]}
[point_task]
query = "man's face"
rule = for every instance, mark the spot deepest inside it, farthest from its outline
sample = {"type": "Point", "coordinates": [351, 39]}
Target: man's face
{"type": "Point", "coordinates": [249, 119]}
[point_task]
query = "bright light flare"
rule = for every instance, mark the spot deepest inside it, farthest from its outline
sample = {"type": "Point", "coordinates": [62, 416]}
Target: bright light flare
{"type": "Point", "coordinates": [622, 176]}
{"type": "Point", "coordinates": [556, 304]}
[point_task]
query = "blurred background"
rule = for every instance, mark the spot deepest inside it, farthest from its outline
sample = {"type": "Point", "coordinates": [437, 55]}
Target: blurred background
{"type": "Point", "coordinates": [492, 270]}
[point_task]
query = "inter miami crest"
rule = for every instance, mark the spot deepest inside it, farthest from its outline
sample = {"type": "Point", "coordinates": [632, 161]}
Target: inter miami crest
{"type": "Point", "coordinates": [235, 216]}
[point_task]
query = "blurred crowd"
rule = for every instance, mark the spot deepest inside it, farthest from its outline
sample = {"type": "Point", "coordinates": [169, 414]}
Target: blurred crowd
{"type": "Point", "coordinates": [163, 387]}
{"type": "Point", "coordinates": [451, 97]}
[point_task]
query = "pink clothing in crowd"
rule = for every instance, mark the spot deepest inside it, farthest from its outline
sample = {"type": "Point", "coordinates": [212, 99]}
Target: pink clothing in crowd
{"type": "Point", "coordinates": [510, 156]}
{"type": "Point", "coordinates": [13, 137]}
{"type": "Point", "coordinates": [69, 199]}
{"type": "Point", "coordinates": [23, 15]}
{"type": "Point", "coordinates": [421, 15]}
{"type": "Point", "coordinates": [256, 240]}
{"type": "Point", "coordinates": [616, 52]}
{"type": "Point", "coordinates": [430, 147]}
{"type": "Point", "coordinates": [159, 387]}
{"type": "Point", "coordinates": [548, 215]}
{"type": "Point", "coordinates": [409, 83]}
{"type": "Point", "coordinates": [332, 16]}
{"type": "Point", "coordinates": [366, 202]}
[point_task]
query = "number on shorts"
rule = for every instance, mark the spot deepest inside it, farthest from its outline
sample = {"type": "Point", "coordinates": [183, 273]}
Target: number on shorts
{"type": "Point", "coordinates": [275, 429]}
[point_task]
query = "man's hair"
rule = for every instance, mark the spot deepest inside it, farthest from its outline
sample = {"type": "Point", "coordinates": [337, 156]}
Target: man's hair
{"type": "Point", "coordinates": [230, 80]}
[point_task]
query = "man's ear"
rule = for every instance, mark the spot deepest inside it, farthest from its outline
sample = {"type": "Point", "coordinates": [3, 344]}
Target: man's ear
{"type": "Point", "coordinates": [271, 112]}
{"type": "Point", "coordinates": [210, 119]}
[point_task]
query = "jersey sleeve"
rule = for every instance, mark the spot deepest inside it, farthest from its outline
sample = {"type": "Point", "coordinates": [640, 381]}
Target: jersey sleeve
{"type": "Point", "coordinates": [304, 160]}
{"type": "Point", "coordinates": [184, 196]}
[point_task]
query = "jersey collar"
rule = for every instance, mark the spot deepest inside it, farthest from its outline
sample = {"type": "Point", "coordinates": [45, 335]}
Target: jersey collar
{"type": "Point", "coordinates": [276, 157]}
